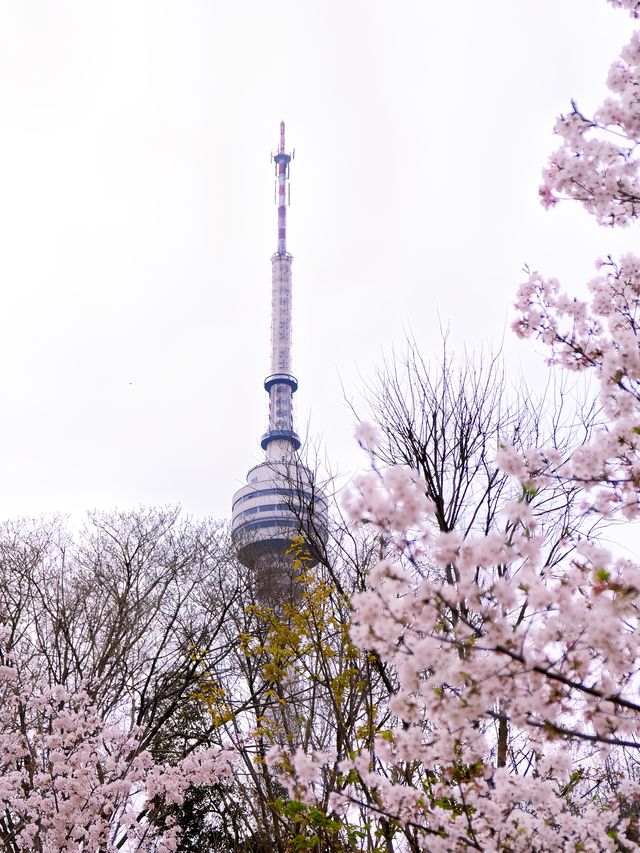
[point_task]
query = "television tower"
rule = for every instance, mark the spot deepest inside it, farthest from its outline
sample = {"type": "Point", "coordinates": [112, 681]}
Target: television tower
{"type": "Point", "coordinates": [280, 500]}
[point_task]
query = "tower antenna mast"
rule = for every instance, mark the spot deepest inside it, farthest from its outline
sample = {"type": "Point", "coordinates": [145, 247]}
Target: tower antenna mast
{"type": "Point", "coordinates": [282, 160]}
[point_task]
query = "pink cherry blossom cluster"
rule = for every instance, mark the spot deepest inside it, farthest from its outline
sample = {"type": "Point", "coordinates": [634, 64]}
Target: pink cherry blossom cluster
{"type": "Point", "coordinates": [601, 337]}
{"type": "Point", "coordinates": [632, 5]}
{"type": "Point", "coordinates": [392, 500]}
{"type": "Point", "coordinates": [597, 163]}
{"type": "Point", "coordinates": [498, 635]}
{"type": "Point", "coordinates": [72, 781]}
{"type": "Point", "coordinates": [506, 812]}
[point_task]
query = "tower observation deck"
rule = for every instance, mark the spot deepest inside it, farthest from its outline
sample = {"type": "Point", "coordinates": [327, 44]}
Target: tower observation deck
{"type": "Point", "coordinates": [280, 501]}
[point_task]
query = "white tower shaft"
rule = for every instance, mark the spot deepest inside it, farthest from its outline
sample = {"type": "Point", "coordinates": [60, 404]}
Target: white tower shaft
{"type": "Point", "coordinates": [281, 313]}
{"type": "Point", "coordinates": [281, 439]}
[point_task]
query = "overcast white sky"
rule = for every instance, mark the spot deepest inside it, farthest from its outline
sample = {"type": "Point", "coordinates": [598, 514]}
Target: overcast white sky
{"type": "Point", "coordinates": [137, 218]}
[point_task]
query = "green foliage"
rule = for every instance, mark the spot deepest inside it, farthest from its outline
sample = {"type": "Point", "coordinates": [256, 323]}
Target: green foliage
{"type": "Point", "coordinates": [315, 830]}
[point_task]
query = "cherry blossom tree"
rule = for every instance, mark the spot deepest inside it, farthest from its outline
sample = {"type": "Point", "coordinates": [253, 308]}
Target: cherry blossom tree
{"type": "Point", "coordinates": [99, 745]}
{"type": "Point", "coordinates": [500, 633]}
{"type": "Point", "coordinates": [72, 781]}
